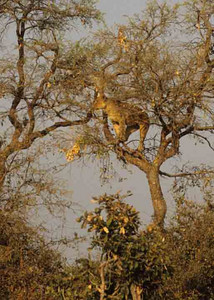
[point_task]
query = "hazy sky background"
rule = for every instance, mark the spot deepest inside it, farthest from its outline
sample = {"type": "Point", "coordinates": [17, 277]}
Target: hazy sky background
{"type": "Point", "coordinates": [115, 10]}
{"type": "Point", "coordinates": [84, 180]}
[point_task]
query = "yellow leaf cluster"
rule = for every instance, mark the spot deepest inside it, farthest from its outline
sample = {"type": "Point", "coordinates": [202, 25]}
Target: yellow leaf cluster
{"type": "Point", "coordinates": [105, 229]}
{"type": "Point", "coordinates": [89, 218]}
{"type": "Point", "coordinates": [122, 40]}
{"type": "Point", "coordinates": [122, 230]}
{"type": "Point", "coordinates": [115, 257]}
{"type": "Point", "coordinates": [73, 152]}
{"type": "Point", "coordinates": [94, 228]}
{"type": "Point", "coordinates": [153, 103]}
{"type": "Point", "coordinates": [126, 220]}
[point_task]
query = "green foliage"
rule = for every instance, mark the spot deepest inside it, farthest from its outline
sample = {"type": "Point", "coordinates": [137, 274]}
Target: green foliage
{"type": "Point", "coordinates": [128, 258]}
{"type": "Point", "coordinates": [191, 249]}
{"type": "Point", "coordinates": [75, 282]}
{"type": "Point", "coordinates": [175, 264]}
{"type": "Point", "coordinates": [27, 264]}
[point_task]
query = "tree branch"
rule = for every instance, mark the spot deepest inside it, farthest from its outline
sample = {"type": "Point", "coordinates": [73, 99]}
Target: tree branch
{"type": "Point", "coordinates": [56, 125]}
{"type": "Point", "coordinates": [185, 174]}
{"type": "Point", "coordinates": [20, 31]}
{"type": "Point", "coordinates": [204, 138]}
{"type": "Point", "coordinates": [205, 128]}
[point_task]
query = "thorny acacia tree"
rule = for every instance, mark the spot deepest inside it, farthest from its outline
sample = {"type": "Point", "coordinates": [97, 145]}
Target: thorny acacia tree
{"type": "Point", "coordinates": [162, 62]}
{"type": "Point", "coordinates": [31, 49]}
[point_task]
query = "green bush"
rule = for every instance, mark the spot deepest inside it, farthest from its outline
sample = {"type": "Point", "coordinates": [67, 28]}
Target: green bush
{"type": "Point", "coordinates": [27, 264]}
{"type": "Point", "coordinates": [175, 264]}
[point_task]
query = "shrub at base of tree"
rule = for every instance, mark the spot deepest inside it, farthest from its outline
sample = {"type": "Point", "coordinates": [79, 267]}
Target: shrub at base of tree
{"type": "Point", "coordinates": [135, 264]}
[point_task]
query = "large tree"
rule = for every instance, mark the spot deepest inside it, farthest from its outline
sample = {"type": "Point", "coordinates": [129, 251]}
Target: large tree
{"type": "Point", "coordinates": [33, 39]}
{"type": "Point", "coordinates": [161, 61]}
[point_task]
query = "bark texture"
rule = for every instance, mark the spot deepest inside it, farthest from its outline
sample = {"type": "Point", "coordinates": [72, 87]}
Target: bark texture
{"type": "Point", "coordinates": [158, 201]}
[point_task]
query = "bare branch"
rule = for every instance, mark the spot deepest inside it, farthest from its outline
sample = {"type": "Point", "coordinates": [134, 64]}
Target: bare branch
{"type": "Point", "coordinates": [205, 139]}
{"type": "Point", "coordinates": [186, 174]}
{"type": "Point", "coordinates": [203, 128]}
{"type": "Point", "coordinates": [53, 127]}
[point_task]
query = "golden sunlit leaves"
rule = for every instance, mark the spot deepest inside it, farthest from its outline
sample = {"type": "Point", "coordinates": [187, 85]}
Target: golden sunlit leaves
{"type": "Point", "coordinates": [153, 103]}
{"type": "Point", "coordinates": [105, 229]}
{"type": "Point", "coordinates": [89, 218]}
{"type": "Point", "coordinates": [73, 152]}
{"type": "Point", "coordinates": [126, 219]}
{"type": "Point", "coordinates": [150, 228]}
{"type": "Point", "coordinates": [122, 40]}
{"type": "Point", "coordinates": [94, 228]}
{"type": "Point", "coordinates": [115, 257]}
{"type": "Point", "coordinates": [122, 230]}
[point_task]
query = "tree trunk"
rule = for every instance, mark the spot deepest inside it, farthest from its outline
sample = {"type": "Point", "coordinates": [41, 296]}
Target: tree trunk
{"type": "Point", "coordinates": [158, 201]}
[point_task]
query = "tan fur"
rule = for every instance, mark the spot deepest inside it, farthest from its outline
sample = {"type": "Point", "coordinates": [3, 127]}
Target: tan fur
{"type": "Point", "coordinates": [126, 118]}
